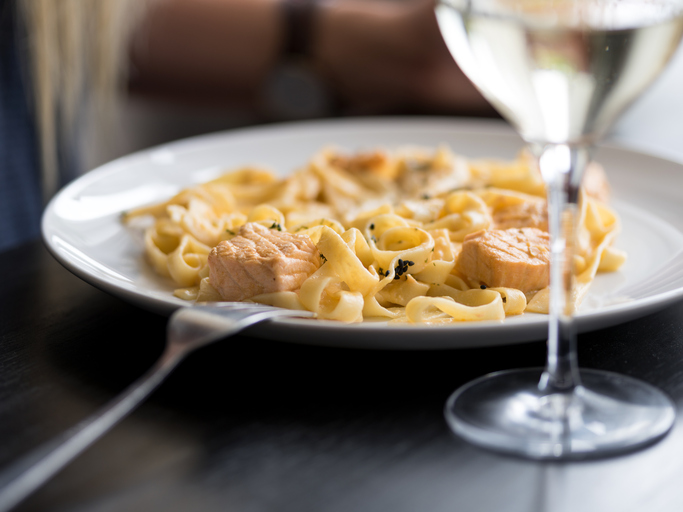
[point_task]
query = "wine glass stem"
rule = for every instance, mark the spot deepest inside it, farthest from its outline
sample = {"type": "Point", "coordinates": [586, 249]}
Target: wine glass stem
{"type": "Point", "coordinates": [562, 167]}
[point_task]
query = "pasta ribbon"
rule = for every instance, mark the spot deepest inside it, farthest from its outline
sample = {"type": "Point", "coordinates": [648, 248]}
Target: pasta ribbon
{"type": "Point", "coordinates": [409, 244]}
{"type": "Point", "coordinates": [323, 294]}
{"type": "Point", "coordinates": [267, 215]}
{"type": "Point", "coordinates": [287, 300]}
{"type": "Point", "coordinates": [344, 263]}
{"type": "Point", "coordinates": [539, 302]}
{"type": "Point", "coordinates": [462, 213]}
{"type": "Point", "coordinates": [185, 262]}
{"type": "Point", "coordinates": [514, 301]}
{"type": "Point", "coordinates": [440, 264]}
{"type": "Point", "coordinates": [472, 305]}
{"type": "Point", "coordinates": [402, 292]}
{"type": "Point", "coordinates": [521, 174]}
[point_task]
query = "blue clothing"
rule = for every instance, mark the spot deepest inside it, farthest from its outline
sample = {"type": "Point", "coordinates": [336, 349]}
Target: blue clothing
{"type": "Point", "coordinates": [20, 194]}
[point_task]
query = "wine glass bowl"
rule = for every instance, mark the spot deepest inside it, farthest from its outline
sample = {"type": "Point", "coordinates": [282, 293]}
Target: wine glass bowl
{"type": "Point", "coordinates": [561, 72]}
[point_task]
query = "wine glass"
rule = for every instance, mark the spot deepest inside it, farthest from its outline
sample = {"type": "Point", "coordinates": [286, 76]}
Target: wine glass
{"type": "Point", "coordinates": [560, 71]}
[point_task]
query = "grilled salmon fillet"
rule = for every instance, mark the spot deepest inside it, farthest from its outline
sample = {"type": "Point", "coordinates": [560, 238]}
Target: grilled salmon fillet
{"type": "Point", "coordinates": [513, 258]}
{"type": "Point", "coordinates": [261, 260]}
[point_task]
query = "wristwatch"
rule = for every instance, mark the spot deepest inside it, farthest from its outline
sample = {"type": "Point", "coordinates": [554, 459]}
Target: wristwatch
{"type": "Point", "coordinates": [294, 88]}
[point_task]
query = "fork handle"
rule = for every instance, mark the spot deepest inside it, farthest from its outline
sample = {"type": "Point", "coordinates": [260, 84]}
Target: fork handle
{"type": "Point", "coordinates": [32, 471]}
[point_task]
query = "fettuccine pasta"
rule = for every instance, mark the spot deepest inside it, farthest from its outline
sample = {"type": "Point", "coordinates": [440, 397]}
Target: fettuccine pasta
{"type": "Point", "coordinates": [394, 234]}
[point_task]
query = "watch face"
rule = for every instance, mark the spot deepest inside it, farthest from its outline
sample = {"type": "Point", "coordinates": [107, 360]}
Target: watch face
{"type": "Point", "coordinates": [294, 91]}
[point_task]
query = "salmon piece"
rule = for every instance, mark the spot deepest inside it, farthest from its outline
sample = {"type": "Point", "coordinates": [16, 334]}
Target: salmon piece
{"type": "Point", "coordinates": [375, 163]}
{"type": "Point", "coordinates": [261, 260]}
{"type": "Point", "coordinates": [512, 258]}
{"type": "Point", "coordinates": [528, 214]}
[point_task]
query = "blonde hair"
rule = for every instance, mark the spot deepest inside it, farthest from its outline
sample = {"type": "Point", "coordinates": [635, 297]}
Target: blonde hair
{"type": "Point", "coordinates": [78, 53]}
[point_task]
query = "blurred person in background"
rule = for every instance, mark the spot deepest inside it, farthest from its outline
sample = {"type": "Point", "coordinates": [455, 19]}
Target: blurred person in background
{"type": "Point", "coordinates": [65, 63]}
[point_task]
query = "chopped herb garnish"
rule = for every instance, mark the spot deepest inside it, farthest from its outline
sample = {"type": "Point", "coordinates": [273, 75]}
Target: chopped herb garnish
{"type": "Point", "coordinates": [322, 257]}
{"type": "Point", "coordinates": [230, 231]}
{"type": "Point", "coordinates": [426, 196]}
{"type": "Point", "coordinates": [483, 287]}
{"type": "Point", "coordinates": [373, 238]}
{"type": "Point", "coordinates": [276, 226]}
{"type": "Point", "coordinates": [372, 226]}
{"type": "Point", "coordinates": [402, 267]}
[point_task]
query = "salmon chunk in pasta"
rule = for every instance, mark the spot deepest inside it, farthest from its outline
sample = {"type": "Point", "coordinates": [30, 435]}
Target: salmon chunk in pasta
{"type": "Point", "coordinates": [509, 258]}
{"type": "Point", "coordinates": [261, 260]}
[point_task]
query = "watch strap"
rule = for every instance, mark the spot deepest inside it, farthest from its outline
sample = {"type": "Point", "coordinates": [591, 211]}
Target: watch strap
{"type": "Point", "coordinates": [298, 22]}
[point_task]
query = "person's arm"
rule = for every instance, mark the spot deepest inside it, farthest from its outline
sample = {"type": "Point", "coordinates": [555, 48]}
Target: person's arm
{"type": "Point", "coordinates": [206, 46]}
{"type": "Point", "coordinates": [384, 53]}
{"type": "Point", "coordinates": [376, 55]}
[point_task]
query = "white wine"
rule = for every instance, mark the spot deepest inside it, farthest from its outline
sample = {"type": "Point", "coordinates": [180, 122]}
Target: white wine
{"type": "Point", "coordinates": [561, 71]}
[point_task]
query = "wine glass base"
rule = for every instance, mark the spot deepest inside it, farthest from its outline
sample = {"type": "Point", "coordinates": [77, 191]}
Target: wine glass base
{"type": "Point", "coordinates": [606, 415]}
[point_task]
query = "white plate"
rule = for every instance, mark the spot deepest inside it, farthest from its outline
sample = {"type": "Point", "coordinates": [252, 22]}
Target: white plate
{"type": "Point", "coordinates": [82, 230]}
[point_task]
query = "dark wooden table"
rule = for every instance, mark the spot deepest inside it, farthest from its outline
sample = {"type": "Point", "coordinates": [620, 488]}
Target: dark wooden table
{"type": "Point", "coordinates": [251, 425]}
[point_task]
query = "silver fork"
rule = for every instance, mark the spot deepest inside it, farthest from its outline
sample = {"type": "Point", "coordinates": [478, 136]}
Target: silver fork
{"type": "Point", "coordinates": [189, 328]}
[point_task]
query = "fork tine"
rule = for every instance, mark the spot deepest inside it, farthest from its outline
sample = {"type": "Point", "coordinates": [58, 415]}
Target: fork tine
{"type": "Point", "coordinates": [193, 326]}
{"type": "Point", "coordinates": [236, 306]}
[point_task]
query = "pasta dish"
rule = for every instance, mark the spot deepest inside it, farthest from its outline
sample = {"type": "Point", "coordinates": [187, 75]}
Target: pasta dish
{"type": "Point", "coordinates": [413, 235]}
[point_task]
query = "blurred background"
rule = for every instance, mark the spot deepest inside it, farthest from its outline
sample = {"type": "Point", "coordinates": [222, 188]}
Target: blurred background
{"type": "Point", "coordinates": [149, 113]}
{"type": "Point", "coordinates": [654, 124]}
{"type": "Point", "coordinates": [324, 59]}
{"type": "Point", "coordinates": [142, 121]}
